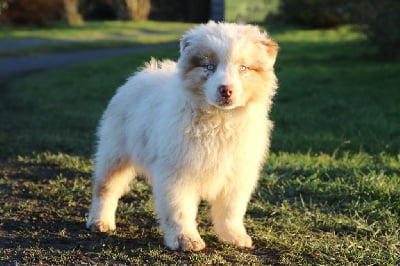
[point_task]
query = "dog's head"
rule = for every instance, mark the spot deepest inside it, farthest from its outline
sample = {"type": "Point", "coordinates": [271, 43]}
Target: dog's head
{"type": "Point", "coordinates": [228, 65]}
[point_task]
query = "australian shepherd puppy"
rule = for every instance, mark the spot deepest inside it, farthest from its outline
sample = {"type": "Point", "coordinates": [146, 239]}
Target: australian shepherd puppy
{"type": "Point", "coordinates": [197, 128]}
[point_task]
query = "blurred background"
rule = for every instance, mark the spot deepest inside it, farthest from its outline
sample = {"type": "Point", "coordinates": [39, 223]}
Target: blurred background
{"type": "Point", "coordinates": [380, 19]}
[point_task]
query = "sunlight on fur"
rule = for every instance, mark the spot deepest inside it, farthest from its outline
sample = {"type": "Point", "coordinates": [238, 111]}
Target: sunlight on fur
{"type": "Point", "coordinates": [198, 129]}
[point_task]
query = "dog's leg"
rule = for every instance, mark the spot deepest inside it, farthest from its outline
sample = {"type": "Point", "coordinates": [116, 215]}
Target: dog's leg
{"type": "Point", "coordinates": [227, 212]}
{"type": "Point", "coordinates": [111, 181]}
{"type": "Point", "coordinates": [176, 205]}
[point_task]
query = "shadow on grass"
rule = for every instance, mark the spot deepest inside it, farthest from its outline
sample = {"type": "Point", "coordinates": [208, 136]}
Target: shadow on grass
{"type": "Point", "coordinates": [331, 96]}
{"type": "Point", "coordinates": [49, 239]}
{"type": "Point", "coordinates": [37, 171]}
{"type": "Point", "coordinates": [335, 96]}
{"type": "Point", "coordinates": [46, 206]}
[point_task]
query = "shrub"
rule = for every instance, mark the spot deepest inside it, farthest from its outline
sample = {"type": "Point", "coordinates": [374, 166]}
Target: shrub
{"type": "Point", "coordinates": [38, 12]}
{"type": "Point", "coordinates": [98, 10]}
{"type": "Point", "coordinates": [314, 13]}
{"type": "Point", "coordinates": [382, 20]}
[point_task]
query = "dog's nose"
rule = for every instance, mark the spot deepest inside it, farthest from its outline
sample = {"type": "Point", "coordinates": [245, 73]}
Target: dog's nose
{"type": "Point", "coordinates": [225, 91]}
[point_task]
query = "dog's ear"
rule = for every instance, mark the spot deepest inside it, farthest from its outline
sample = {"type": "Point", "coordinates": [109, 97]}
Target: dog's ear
{"type": "Point", "coordinates": [184, 43]}
{"type": "Point", "coordinates": [272, 48]}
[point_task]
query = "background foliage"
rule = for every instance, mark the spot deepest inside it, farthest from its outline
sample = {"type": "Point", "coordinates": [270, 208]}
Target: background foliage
{"type": "Point", "coordinates": [314, 13]}
{"type": "Point", "coordinates": [380, 19]}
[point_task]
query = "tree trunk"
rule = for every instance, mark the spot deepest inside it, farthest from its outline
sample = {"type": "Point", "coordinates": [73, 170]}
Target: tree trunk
{"type": "Point", "coordinates": [71, 9]}
{"type": "Point", "coordinates": [138, 9]}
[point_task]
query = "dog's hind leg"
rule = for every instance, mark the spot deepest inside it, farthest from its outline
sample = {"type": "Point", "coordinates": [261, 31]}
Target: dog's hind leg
{"type": "Point", "coordinates": [110, 182]}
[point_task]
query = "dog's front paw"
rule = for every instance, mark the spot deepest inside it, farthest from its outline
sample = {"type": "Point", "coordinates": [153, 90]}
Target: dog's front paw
{"type": "Point", "coordinates": [99, 226]}
{"type": "Point", "coordinates": [185, 242]}
{"type": "Point", "coordinates": [240, 240]}
{"type": "Point", "coordinates": [190, 243]}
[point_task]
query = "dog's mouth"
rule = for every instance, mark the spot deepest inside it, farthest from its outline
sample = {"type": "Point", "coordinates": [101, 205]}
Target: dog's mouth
{"type": "Point", "coordinates": [224, 103]}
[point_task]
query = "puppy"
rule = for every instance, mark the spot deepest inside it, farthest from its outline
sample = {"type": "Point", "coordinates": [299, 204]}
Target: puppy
{"type": "Point", "coordinates": [198, 129]}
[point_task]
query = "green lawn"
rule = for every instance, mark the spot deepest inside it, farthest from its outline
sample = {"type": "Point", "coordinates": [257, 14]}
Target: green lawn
{"type": "Point", "coordinates": [329, 192]}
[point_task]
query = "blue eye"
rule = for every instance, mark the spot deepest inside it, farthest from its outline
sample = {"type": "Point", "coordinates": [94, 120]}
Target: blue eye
{"type": "Point", "coordinates": [243, 68]}
{"type": "Point", "coordinates": [210, 67]}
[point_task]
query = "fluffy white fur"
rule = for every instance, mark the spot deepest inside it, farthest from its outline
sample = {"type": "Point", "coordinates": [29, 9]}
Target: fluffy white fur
{"type": "Point", "coordinates": [198, 129]}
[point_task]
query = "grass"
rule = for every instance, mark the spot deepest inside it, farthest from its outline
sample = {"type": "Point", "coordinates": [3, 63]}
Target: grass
{"type": "Point", "coordinates": [329, 192]}
{"type": "Point", "coordinates": [93, 34]}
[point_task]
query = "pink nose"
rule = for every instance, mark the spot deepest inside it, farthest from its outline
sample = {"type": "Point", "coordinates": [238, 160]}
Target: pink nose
{"type": "Point", "coordinates": [225, 91]}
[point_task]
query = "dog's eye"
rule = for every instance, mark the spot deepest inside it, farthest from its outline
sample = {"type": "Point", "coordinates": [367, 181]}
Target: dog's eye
{"type": "Point", "coordinates": [211, 67]}
{"type": "Point", "coordinates": [242, 68]}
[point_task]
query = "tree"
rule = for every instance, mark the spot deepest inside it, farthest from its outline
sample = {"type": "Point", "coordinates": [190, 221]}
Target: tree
{"type": "Point", "coordinates": [138, 9]}
{"type": "Point", "coordinates": [132, 9]}
{"type": "Point", "coordinates": [71, 12]}
{"type": "Point", "coordinates": [3, 6]}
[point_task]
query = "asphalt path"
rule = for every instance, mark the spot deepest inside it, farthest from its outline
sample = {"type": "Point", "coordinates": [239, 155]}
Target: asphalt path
{"type": "Point", "coordinates": [13, 66]}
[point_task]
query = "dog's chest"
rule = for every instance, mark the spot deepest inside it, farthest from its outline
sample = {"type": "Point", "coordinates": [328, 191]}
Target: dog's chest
{"type": "Point", "coordinates": [212, 142]}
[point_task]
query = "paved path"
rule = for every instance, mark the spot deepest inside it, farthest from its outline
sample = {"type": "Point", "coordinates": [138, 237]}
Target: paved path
{"type": "Point", "coordinates": [14, 65]}
{"type": "Point", "coordinates": [6, 44]}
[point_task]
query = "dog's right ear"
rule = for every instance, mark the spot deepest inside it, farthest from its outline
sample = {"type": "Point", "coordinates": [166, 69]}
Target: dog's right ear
{"type": "Point", "coordinates": [185, 42]}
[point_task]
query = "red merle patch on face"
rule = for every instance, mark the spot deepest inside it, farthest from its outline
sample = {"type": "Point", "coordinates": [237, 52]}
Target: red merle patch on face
{"type": "Point", "coordinates": [198, 65]}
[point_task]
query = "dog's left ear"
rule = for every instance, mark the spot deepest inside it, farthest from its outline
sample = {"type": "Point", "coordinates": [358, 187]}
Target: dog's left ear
{"type": "Point", "coordinates": [272, 48]}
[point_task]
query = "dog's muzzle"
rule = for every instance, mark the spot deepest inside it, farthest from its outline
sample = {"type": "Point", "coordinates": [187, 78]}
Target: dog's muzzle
{"type": "Point", "coordinates": [225, 95]}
